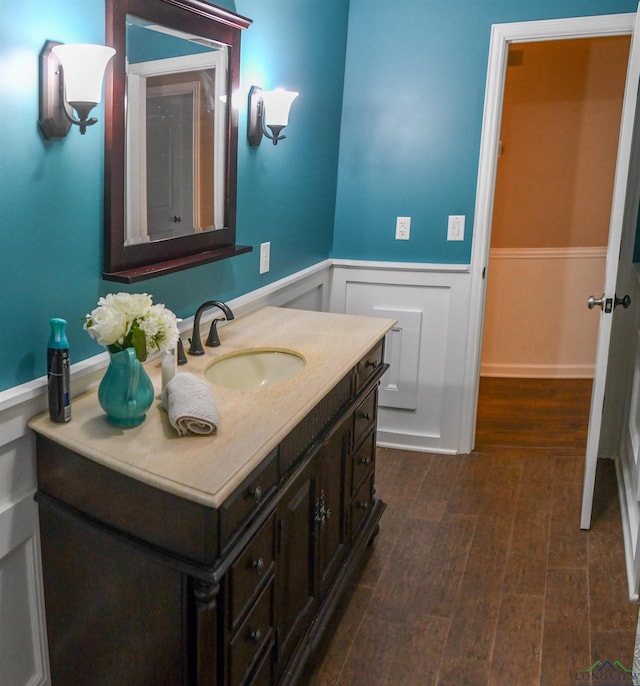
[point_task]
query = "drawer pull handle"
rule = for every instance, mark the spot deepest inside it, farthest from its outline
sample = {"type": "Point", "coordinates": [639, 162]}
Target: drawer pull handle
{"type": "Point", "coordinates": [322, 511]}
{"type": "Point", "coordinates": [258, 565]}
{"type": "Point", "coordinates": [367, 416]}
{"type": "Point", "coordinates": [363, 506]}
{"type": "Point", "coordinates": [366, 460]}
{"type": "Point", "coordinates": [372, 363]}
{"type": "Point", "coordinates": [255, 636]}
{"type": "Point", "coordinates": [256, 494]}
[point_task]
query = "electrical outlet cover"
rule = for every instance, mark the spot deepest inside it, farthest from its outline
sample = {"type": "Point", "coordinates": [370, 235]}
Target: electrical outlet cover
{"type": "Point", "coordinates": [403, 228]}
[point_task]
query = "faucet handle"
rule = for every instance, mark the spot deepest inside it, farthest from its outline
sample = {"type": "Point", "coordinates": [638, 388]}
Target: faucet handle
{"type": "Point", "coordinates": [213, 340]}
{"type": "Point", "coordinates": [182, 358]}
{"type": "Point", "coordinates": [195, 346]}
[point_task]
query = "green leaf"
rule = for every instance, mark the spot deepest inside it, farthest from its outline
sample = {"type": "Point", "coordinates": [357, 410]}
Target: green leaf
{"type": "Point", "coordinates": [138, 341]}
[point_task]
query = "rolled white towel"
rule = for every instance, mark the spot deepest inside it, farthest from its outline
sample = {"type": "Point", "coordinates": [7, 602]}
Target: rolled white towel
{"type": "Point", "coordinates": [190, 405]}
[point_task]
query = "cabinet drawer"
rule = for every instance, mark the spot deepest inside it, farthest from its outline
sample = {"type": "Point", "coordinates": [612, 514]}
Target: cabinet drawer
{"type": "Point", "coordinates": [362, 462]}
{"type": "Point", "coordinates": [367, 366]}
{"type": "Point", "coordinates": [365, 416]}
{"type": "Point", "coordinates": [264, 672]}
{"type": "Point", "coordinates": [249, 571]}
{"type": "Point", "coordinates": [251, 637]}
{"type": "Point", "coordinates": [362, 503]}
{"type": "Point", "coordinates": [247, 499]}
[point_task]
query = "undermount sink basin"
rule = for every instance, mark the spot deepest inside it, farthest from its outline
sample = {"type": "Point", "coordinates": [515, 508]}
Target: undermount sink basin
{"type": "Point", "coordinates": [250, 370]}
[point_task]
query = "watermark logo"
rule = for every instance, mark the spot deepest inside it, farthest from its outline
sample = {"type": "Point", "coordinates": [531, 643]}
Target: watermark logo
{"type": "Point", "coordinates": [606, 674]}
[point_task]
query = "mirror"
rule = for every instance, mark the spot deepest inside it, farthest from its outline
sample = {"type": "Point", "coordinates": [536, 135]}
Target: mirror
{"type": "Point", "coordinates": [171, 137]}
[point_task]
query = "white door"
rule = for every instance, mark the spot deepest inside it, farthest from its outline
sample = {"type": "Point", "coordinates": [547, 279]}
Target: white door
{"type": "Point", "coordinates": [605, 422]}
{"type": "Point", "coordinates": [171, 152]}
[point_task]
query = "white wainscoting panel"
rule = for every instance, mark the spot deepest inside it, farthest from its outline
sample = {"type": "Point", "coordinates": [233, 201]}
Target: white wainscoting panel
{"type": "Point", "coordinates": [399, 387]}
{"type": "Point", "coordinates": [23, 652]}
{"type": "Point", "coordinates": [634, 424]}
{"type": "Point", "coordinates": [312, 299]}
{"type": "Point", "coordinates": [435, 298]}
{"type": "Point", "coordinates": [628, 460]}
{"type": "Point", "coordinates": [537, 323]}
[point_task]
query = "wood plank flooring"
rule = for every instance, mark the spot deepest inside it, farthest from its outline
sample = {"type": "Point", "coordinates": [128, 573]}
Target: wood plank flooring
{"type": "Point", "coordinates": [533, 412]}
{"type": "Point", "coordinates": [480, 575]}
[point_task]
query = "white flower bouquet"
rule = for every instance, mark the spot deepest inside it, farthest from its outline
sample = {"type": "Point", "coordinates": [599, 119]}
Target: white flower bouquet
{"type": "Point", "coordinates": [124, 320]}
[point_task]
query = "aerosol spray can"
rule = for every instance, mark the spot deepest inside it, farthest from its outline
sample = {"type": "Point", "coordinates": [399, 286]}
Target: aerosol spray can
{"type": "Point", "coordinates": [58, 372]}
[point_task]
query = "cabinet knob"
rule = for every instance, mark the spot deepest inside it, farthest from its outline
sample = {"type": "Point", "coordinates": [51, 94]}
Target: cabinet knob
{"type": "Point", "coordinates": [363, 506]}
{"type": "Point", "coordinates": [255, 636]}
{"type": "Point", "coordinates": [258, 565]}
{"type": "Point", "coordinates": [367, 416]}
{"type": "Point", "coordinates": [366, 460]}
{"type": "Point", "coordinates": [372, 363]}
{"type": "Point", "coordinates": [322, 511]}
{"type": "Point", "coordinates": [256, 493]}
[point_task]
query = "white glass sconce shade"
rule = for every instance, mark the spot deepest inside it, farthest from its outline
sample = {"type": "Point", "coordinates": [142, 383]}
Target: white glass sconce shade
{"type": "Point", "coordinates": [277, 105]}
{"type": "Point", "coordinates": [268, 109]}
{"type": "Point", "coordinates": [83, 67]}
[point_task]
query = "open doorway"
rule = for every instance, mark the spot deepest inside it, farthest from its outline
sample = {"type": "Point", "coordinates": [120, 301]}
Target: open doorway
{"type": "Point", "coordinates": [554, 183]}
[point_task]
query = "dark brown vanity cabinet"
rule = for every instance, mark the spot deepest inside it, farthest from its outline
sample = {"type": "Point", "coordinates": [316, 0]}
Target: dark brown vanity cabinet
{"type": "Point", "coordinates": [296, 587]}
{"type": "Point", "coordinates": [144, 587]}
{"type": "Point", "coordinates": [331, 522]}
{"type": "Point", "coordinates": [312, 536]}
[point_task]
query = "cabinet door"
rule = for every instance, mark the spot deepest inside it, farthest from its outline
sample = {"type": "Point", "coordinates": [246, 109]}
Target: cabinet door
{"type": "Point", "coordinates": [330, 510]}
{"type": "Point", "coordinates": [296, 562]}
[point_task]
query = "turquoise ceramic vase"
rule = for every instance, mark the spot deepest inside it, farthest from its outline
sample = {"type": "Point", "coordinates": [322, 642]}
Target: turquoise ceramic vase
{"type": "Point", "coordinates": [125, 392]}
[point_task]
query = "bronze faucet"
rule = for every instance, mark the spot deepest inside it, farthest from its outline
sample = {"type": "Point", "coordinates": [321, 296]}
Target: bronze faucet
{"type": "Point", "coordinates": [213, 340]}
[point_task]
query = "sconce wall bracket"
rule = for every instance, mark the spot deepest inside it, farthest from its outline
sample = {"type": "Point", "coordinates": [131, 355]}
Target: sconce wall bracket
{"type": "Point", "coordinates": [53, 120]}
{"type": "Point", "coordinates": [254, 117]}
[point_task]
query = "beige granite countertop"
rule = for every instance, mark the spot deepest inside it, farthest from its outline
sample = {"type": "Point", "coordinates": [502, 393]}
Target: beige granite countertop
{"type": "Point", "coordinates": [207, 469]}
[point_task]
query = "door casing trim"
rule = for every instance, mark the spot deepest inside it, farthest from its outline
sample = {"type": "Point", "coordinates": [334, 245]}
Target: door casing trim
{"type": "Point", "coordinates": [502, 35]}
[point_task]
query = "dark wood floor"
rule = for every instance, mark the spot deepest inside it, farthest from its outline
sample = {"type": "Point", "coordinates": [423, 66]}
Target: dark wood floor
{"type": "Point", "coordinates": [533, 413]}
{"type": "Point", "coordinates": [480, 574]}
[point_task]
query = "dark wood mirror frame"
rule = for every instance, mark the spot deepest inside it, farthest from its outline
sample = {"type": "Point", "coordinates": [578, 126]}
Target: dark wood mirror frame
{"type": "Point", "coordinates": [128, 264]}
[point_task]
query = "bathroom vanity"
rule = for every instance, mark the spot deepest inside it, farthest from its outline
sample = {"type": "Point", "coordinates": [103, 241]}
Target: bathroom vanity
{"type": "Point", "coordinates": [214, 560]}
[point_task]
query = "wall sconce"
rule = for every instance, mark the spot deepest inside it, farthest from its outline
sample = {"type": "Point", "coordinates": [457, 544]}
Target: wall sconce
{"type": "Point", "coordinates": [70, 77]}
{"type": "Point", "coordinates": [268, 109]}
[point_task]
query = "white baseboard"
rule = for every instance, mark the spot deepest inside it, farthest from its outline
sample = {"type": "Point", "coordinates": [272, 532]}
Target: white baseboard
{"type": "Point", "coordinates": [403, 441]}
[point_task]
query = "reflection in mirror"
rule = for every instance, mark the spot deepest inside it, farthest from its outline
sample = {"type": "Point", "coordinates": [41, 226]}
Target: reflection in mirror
{"type": "Point", "coordinates": [176, 115]}
{"type": "Point", "coordinates": [171, 137]}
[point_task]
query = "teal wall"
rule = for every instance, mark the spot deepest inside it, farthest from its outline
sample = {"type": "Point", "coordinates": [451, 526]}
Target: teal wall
{"type": "Point", "coordinates": [408, 130]}
{"type": "Point", "coordinates": [412, 119]}
{"type": "Point", "coordinates": [51, 191]}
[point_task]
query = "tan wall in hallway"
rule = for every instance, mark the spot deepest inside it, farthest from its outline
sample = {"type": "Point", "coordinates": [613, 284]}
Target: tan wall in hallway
{"type": "Point", "coordinates": [560, 125]}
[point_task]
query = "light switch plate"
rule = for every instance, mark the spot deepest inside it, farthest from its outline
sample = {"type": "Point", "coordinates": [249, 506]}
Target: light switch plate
{"type": "Point", "coordinates": [455, 228]}
{"type": "Point", "coordinates": [265, 257]}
